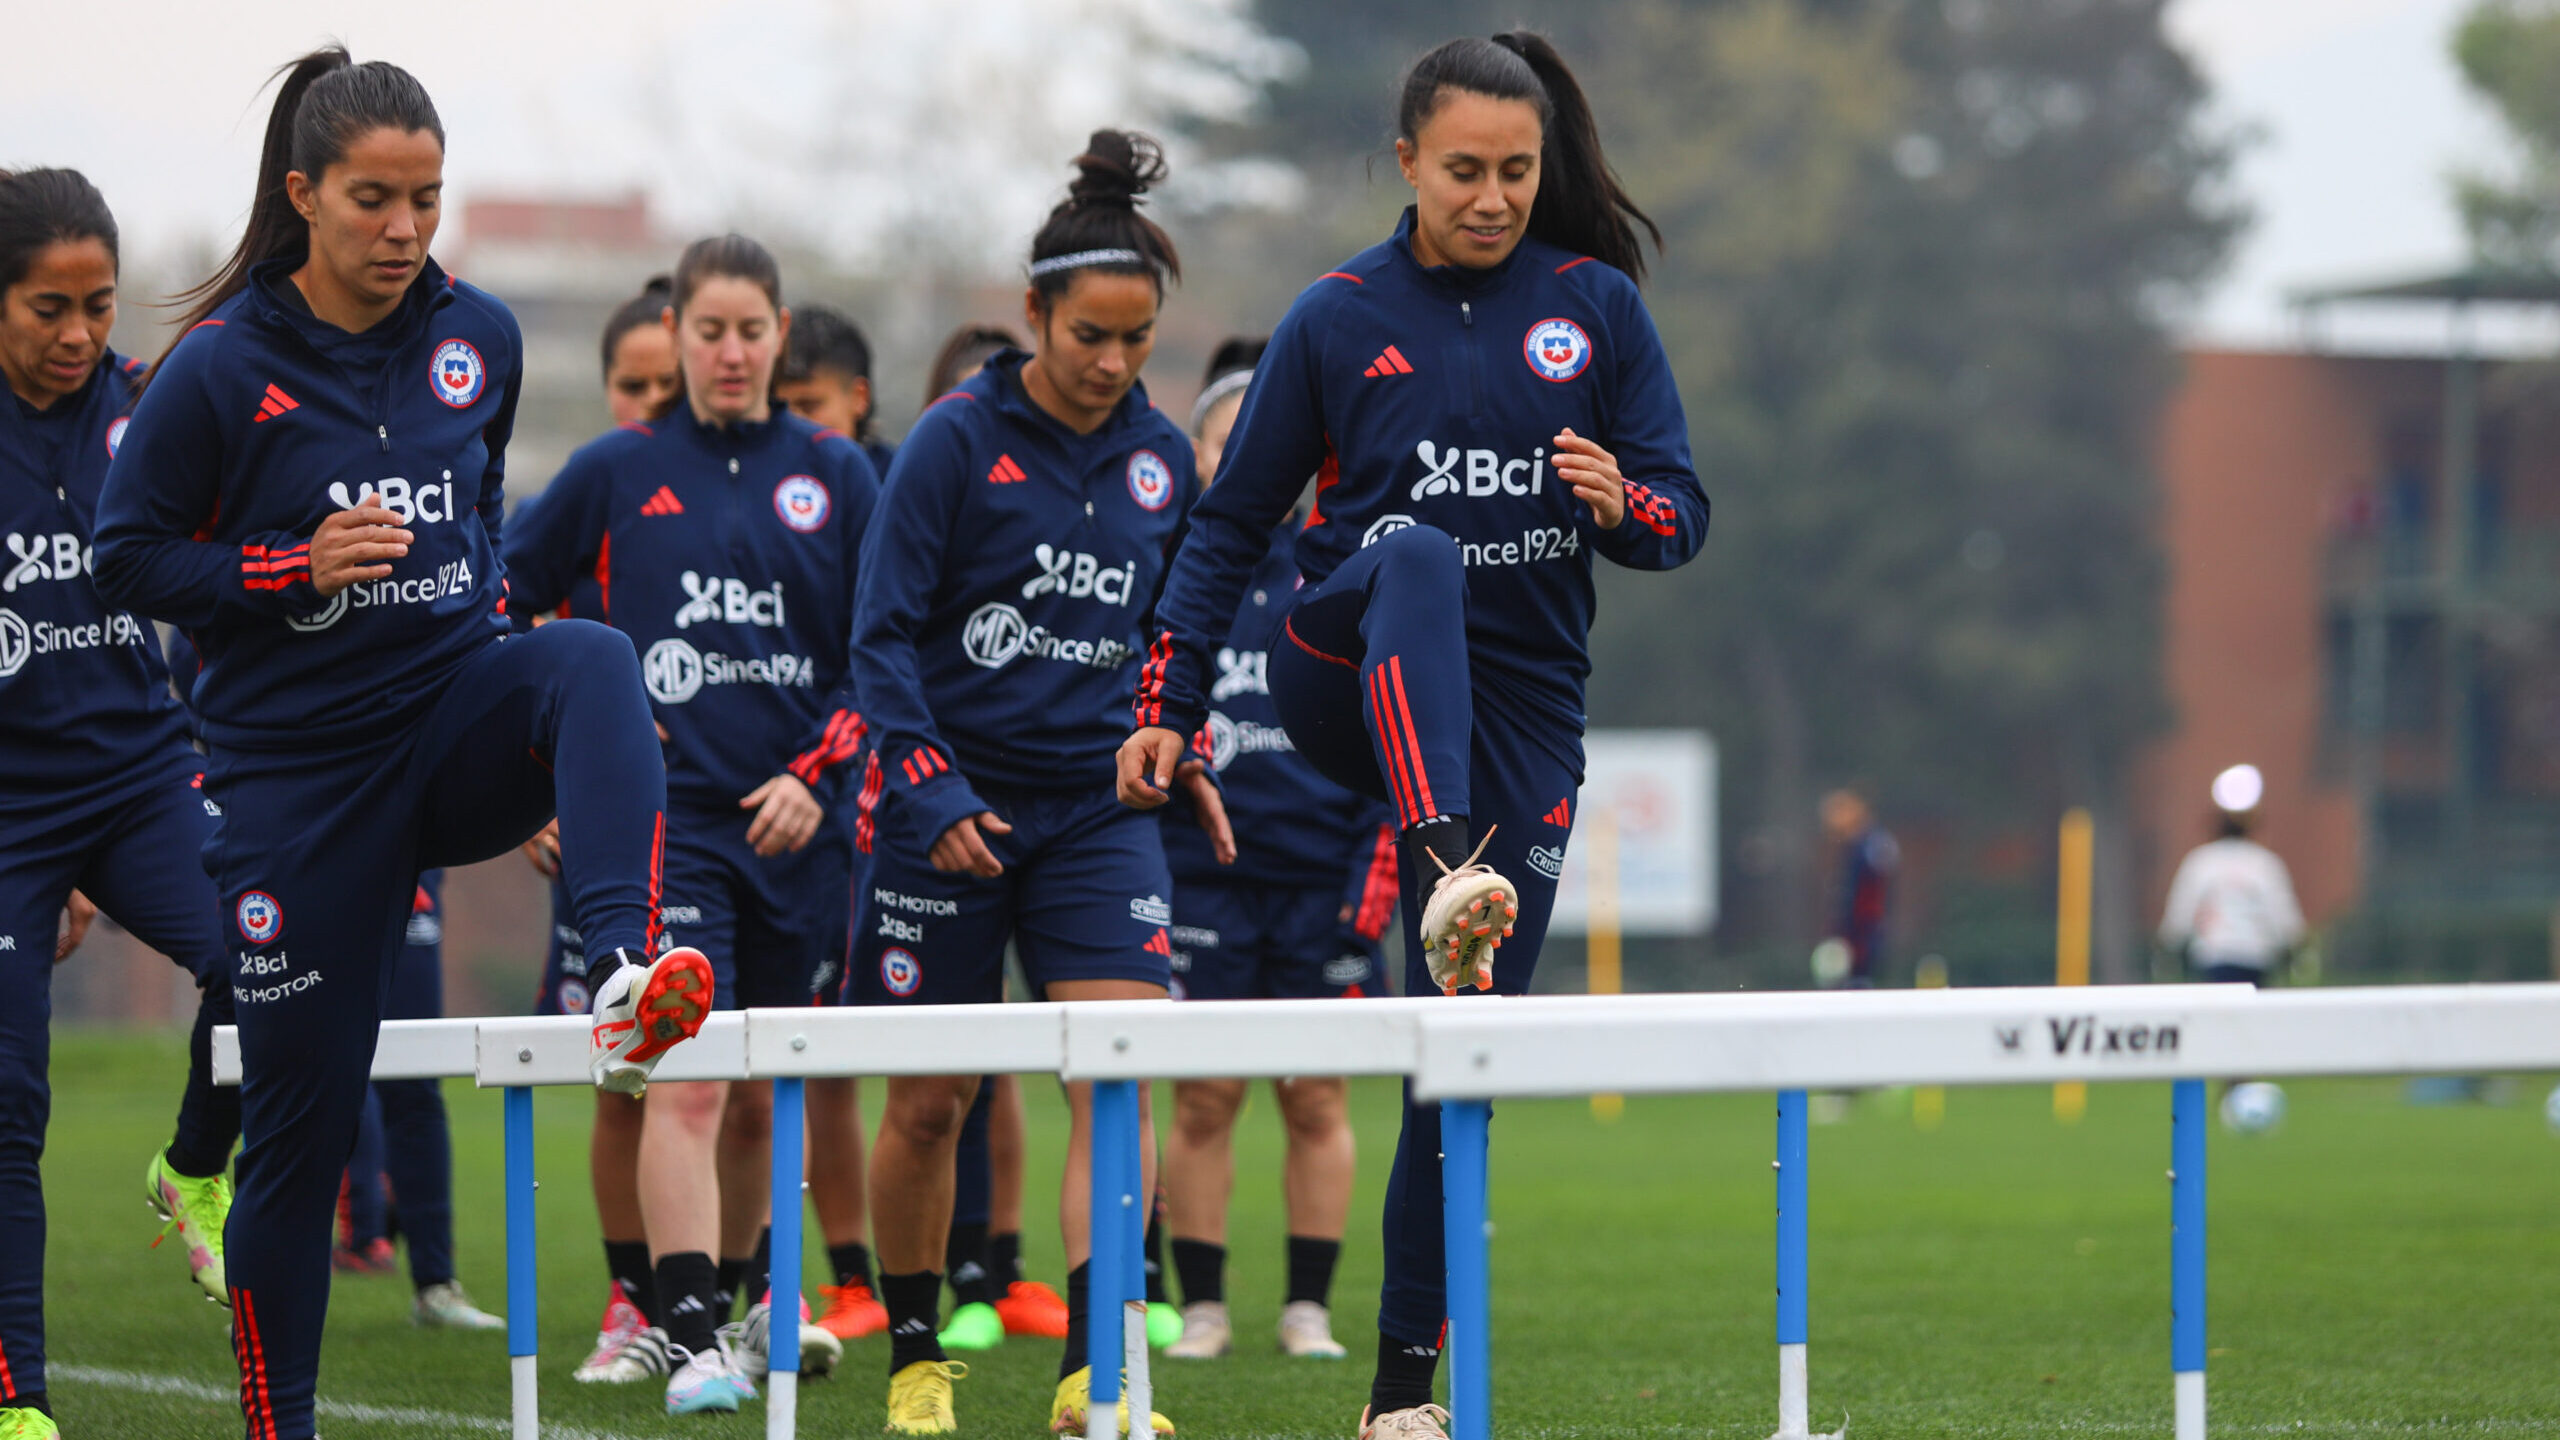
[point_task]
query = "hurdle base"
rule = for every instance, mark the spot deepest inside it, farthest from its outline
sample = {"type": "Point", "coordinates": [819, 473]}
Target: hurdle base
{"type": "Point", "coordinates": [1792, 1407]}
{"type": "Point", "coordinates": [2190, 1391]}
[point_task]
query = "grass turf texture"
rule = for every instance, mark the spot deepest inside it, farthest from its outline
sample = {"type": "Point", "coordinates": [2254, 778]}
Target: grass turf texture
{"type": "Point", "coordinates": [2376, 1268]}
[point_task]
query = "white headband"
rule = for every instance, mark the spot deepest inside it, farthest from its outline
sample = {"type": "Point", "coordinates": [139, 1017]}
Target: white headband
{"type": "Point", "coordinates": [1225, 385]}
{"type": "Point", "coordinates": [1084, 258]}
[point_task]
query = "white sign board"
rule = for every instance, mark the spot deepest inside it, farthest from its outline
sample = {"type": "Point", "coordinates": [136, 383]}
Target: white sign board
{"type": "Point", "coordinates": [1648, 799]}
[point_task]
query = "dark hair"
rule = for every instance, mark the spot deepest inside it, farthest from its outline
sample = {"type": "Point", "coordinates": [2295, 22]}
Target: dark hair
{"type": "Point", "coordinates": [1236, 352]}
{"type": "Point", "coordinates": [325, 104]}
{"type": "Point", "coordinates": [1581, 206]}
{"type": "Point", "coordinates": [824, 338]}
{"type": "Point", "coordinates": [641, 309]}
{"type": "Point", "coordinates": [48, 207]}
{"type": "Point", "coordinates": [961, 356]}
{"type": "Point", "coordinates": [1101, 213]}
{"type": "Point", "coordinates": [733, 255]}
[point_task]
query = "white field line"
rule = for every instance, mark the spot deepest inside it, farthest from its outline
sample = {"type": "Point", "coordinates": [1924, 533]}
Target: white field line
{"type": "Point", "coordinates": [448, 1422]}
{"type": "Point", "coordinates": [445, 1422]}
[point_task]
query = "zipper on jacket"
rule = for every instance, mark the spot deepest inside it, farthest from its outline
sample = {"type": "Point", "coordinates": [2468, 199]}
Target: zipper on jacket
{"type": "Point", "coordinates": [1475, 365]}
{"type": "Point", "coordinates": [385, 432]}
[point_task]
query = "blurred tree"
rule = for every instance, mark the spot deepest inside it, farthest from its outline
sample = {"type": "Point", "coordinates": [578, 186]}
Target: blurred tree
{"type": "Point", "coordinates": [2509, 52]}
{"type": "Point", "coordinates": [1920, 256]}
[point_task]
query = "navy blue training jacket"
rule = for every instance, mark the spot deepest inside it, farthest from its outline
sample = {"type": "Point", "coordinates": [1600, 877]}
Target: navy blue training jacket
{"type": "Point", "coordinates": [1430, 396]}
{"type": "Point", "coordinates": [727, 554]}
{"type": "Point", "coordinates": [1293, 827]}
{"type": "Point", "coordinates": [256, 426]}
{"type": "Point", "coordinates": [1004, 592]}
{"type": "Point", "coordinates": [85, 709]}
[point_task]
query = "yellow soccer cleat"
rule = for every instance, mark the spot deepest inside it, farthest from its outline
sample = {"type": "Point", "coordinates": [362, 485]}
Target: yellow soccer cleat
{"type": "Point", "coordinates": [24, 1424]}
{"type": "Point", "coordinates": [920, 1398]}
{"type": "Point", "coordinates": [1066, 1413]}
{"type": "Point", "coordinates": [196, 1210]}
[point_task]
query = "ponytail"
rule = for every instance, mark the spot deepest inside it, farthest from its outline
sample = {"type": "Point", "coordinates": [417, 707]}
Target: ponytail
{"type": "Point", "coordinates": [1581, 205]}
{"type": "Point", "coordinates": [1098, 227]}
{"type": "Point", "coordinates": [324, 104]}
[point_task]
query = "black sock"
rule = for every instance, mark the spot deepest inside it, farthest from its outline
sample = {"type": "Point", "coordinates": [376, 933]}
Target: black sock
{"type": "Point", "coordinates": [1311, 1268]}
{"type": "Point", "coordinates": [34, 1401]}
{"type": "Point", "coordinates": [1202, 1268]}
{"type": "Point", "coordinates": [1155, 1257]}
{"type": "Point", "coordinates": [732, 1274]}
{"type": "Point", "coordinates": [1442, 835]}
{"type": "Point", "coordinates": [688, 1292]}
{"type": "Point", "coordinates": [852, 1263]}
{"type": "Point", "coordinates": [964, 1261]}
{"type": "Point", "coordinates": [1079, 1328]}
{"type": "Point", "coordinates": [1004, 1260]}
{"type": "Point", "coordinates": [1405, 1373]}
{"type": "Point", "coordinates": [914, 1310]}
{"type": "Point", "coordinates": [627, 1261]}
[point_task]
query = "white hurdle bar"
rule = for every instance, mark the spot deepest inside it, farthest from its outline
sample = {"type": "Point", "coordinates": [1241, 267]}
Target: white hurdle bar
{"type": "Point", "coordinates": [1465, 1056]}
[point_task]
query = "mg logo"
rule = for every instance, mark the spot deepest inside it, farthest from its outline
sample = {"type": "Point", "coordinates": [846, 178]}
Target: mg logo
{"type": "Point", "coordinates": [15, 643]}
{"type": "Point", "coordinates": [1384, 526]}
{"type": "Point", "coordinates": [672, 670]}
{"type": "Point", "coordinates": [994, 635]}
{"type": "Point", "coordinates": [326, 616]}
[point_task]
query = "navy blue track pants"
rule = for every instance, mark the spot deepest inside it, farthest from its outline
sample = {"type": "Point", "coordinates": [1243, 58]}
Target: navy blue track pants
{"type": "Point", "coordinates": [404, 1137]}
{"type": "Point", "coordinates": [1373, 681]}
{"type": "Point", "coordinates": [137, 855]}
{"type": "Point", "coordinates": [315, 867]}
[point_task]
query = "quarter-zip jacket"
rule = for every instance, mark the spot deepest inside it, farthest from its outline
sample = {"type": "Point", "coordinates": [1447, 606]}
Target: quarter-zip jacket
{"type": "Point", "coordinates": [259, 424]}
{"type": "Point", "coordinates": [1004, 590]}
{"type": "Point", "coordinates": [1293, 826]}
{"type": "Point", "coordinates": [85, 708]}
{"type": "Point", "coordinates": [727, 554]}
{"type": "Point", "coordinates": [1432, 396]}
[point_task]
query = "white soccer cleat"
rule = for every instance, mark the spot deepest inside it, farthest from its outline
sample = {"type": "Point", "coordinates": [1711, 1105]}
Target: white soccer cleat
{"type": "Point", "coordinates": [641, 1357]}
{"type": "Point", "coordinates": [1306, 1332]}
{"type": "Point", "coordinates": [643, 1011]}
{"type": "Point", "coordinates": [446, 1307]}
{"type": "Point", "coordinates": [1470, 912]}
{"type": "Point", "coordinates": [1422, 1422]}
{"type": "Point", "coordinates": [1206, 1332]}
{"type": "Point", "coordinates": [750, 1345]}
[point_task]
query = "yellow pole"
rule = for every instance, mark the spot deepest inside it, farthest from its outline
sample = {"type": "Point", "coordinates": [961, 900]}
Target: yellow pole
{"type": "Point", "coordinates": [2071, 936]}
{"type": "Point", "coordinates": [1602, 939]}
{"type": "Point", "coordinates": [1929, 1102]}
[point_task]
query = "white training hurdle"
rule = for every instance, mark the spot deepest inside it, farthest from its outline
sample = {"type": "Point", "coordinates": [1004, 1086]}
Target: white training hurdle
{"type": "Point", "coordinates": [1466, 1055]}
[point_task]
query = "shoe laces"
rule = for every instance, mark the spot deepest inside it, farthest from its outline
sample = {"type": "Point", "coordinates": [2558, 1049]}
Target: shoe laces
{"type": "Point", "coordinates": [1422, 1422]}
{"type": "Point", "coordinates": [1448, 874]}
{"type": "Point", "coordinates": [911, 1399]}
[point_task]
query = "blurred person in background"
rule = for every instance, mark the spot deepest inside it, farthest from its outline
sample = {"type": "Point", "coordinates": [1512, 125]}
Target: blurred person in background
{"type": "Point", "coordinates": [2232, 915]}
{"type": "Point", "coordinates": [1491, 410]}
{"type": "Point", "coordinates": [103, 798]}
{"type": "Point", "coordinates": [313, 485]}
{"type": "Point", "coordinates": [1299, 916]}
{"type": "Point", "coordinates": [825, 378]}
{"type": "Point", "coordinates": [746, 672]}
{"type": "Point", "coordinates": [1023, 531]}
{"type": "Point", "coordinates": [1869, 860]}
{"type": "Point", "coordinates": [637, 358]}
{"type": "Point", "coordinates": [963, 352]}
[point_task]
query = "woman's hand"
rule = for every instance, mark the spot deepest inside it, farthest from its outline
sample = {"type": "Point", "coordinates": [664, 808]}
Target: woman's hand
{"type": "Point", "coordinates": [1210, 806]}
{"type": "Point", "coordinates": [355, 545]}
{"type": "Point", "coordinates": [1593, 474]}
{"type": "Point", "coordinates": [786, 815]}
{"type": "Point", "coordinates": [76, 915]}
{"type": "Point", "coordinates": [542, 852]}
{"type": "Point", "coordinates": [963, 851]}
{"type": "Point", "coordinates": [1148, 761]}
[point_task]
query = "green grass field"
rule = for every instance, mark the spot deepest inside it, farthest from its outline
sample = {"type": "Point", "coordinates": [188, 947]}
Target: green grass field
{"type": "Point", "coordinates": [2376, 1269]}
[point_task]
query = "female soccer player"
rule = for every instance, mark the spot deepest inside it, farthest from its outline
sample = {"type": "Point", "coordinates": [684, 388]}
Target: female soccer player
{"type": "Point", "coordinates": [723, 540]}
{"type": "Point", "coordinates": [826, 379]}
{"type": "Point", "coordinates": [311, 485]}
{"type": "Point", "coordinates": [1021, 537]}
{"type": "Point", "coordinates": [1298, 916]}
{"type": "Point", "coordinates": [1489, 408]}
{"type": "Point", "coordinates": [101, 793]}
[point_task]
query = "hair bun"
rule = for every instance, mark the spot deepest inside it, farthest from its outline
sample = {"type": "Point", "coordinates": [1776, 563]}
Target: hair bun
{"type": "Point", "coordinates": [658, 285]}
{"type": "Point", "coordinates": [1117, 167]}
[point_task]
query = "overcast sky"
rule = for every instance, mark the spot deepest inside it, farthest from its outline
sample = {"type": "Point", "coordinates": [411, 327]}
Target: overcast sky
{"type": "Point", "coordinates": [2359, 108]}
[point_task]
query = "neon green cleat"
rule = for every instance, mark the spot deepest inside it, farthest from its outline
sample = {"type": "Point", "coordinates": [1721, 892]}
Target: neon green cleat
{"type": "Point", "coordinates": [23, 1424]}
{"type": "Point", "coordinates": [197, 1210]}
{"type": "Point", "coordinates": [974, 1326]}
{"type": "Point", "coordinates": [1164, 1325]}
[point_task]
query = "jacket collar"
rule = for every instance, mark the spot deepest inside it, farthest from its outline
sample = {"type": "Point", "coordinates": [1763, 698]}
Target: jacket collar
{"type": "Point", "coordinates": [1459, 279]}
{"type": "Point", "coordinates": [431, 291]}
{"type": "Point", "coordinates": [999, 382]}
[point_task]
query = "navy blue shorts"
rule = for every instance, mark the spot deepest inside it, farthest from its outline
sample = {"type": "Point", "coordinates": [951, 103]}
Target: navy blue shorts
{"type": "Point", "coordinates": [1082, 897]}
{"type": "Point", "coordinates": [1269, 942]}
{"type": "Point", "coordinates": [2232, 975]}
{"type": "Point", "coordinates": [772, 925]}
